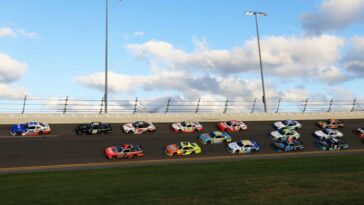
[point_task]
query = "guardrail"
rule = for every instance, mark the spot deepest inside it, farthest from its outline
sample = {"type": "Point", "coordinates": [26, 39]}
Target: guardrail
{"type": "Point", "coordinates": [176, 105]}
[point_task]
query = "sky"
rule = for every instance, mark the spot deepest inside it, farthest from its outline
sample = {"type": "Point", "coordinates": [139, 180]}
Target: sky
{"type": "Point", "coordinates": [189, 49]}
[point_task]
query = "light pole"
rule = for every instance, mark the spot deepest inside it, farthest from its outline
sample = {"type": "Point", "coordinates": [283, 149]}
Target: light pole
{"type": "Point", "coordinates": [256, 14]}
{"type": "Point", "coordinates": [106, 52]}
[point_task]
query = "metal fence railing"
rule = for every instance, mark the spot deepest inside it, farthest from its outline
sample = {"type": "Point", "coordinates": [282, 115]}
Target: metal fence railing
{"type": "Point", "coordinates": [176, 105]}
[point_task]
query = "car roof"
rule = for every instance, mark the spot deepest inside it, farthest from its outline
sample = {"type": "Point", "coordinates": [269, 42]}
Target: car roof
{"type": "Point", "coordinates": [246, 142]}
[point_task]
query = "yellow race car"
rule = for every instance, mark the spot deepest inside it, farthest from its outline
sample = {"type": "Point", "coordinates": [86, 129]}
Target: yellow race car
{"type": "Point", "coordinates": [182, 149]}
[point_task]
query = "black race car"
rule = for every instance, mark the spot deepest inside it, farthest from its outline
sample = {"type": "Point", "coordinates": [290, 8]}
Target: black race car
{"type": "Point", "coordinates": [288, 145]}
{"type": "Point", "coordinates": [93, 128]}
{"type": "Point", "coordinates": [332, 144]}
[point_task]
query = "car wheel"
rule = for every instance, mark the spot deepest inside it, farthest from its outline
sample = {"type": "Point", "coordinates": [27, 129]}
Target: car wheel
{"type": "Point", "coordinates": [193, 152]}
{"type": "Point", "coordinates": [179, 131]}
{"type": "Point", "coordinates": [208, 142]}
{"type": "Point", "coordinates": [113, 157]}
{"type": "Point", "coordinates": [174, 154]}
{"type": "Point", "coordinates": [40, 133]}
{"type": "Point", "coordinates": [196, 130]}
{"type": "Point", "coordinates": [236, 152]}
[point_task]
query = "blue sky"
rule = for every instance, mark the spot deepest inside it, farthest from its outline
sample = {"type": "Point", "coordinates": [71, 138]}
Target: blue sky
{"type": "Point", "coordinates": [59, 46]}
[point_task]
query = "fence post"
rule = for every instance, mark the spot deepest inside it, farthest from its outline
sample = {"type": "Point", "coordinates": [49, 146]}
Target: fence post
{"type": "Point", "coordinates": [198, 105]}
{"type": "Point", "coordinates": [353, 108]}
{"type": "Point", "coordinates": [279, 103]}
{"type": "Point", "coordinates": [102, 105]}
{"type": "Point", "coordinates": [24, 102]}
{"type": "Point", "coordinates": [226, 105]}
{"type": "Point", "coordinates": [168, 102]}
{"type": "Point", "coordinates": [329, 110]}
{"type": "Point", "coordinates": [304, 108]}
{"type": "Point", "coordinates": [65, 105]}
{"type": "Point", "coordinates": [135, 105]}
{"type": "Point", "coordinates": [255, 101]}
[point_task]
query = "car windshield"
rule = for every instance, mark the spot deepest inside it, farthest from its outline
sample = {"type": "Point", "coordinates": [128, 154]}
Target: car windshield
{"type": "Point", "coordinates": [184, 124]}
{"type": "Point", "coordinates": [179, 146]}
{"type": "Point", "coordinates": [240, 144]}
{"type": "Point", "coordinates": [119, 148]}
{"type": "Point", "coordinates": [229, 123]}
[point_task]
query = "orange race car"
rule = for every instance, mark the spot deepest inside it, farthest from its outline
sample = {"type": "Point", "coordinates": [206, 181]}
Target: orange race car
{"type": "Point", "coordinates": [124, 151]}
{"type": "Point", "coordinates": [331, 123]}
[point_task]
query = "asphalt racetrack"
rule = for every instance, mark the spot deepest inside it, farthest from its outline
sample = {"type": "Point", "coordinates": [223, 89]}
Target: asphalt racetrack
{"type": "Point", "coordinates": [63, 146]}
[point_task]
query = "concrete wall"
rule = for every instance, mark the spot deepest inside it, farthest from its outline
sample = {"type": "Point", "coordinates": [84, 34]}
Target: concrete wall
{"type": "Point", "coordinates": [158, 117]}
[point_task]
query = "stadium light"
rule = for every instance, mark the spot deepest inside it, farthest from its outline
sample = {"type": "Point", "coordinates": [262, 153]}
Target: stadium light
{"type": "Point", "coordinates": [106, 53]}
{"type": "Point", "coordinates": [256, 14]}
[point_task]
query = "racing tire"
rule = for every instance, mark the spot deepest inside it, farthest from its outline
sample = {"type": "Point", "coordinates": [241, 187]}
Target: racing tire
{"type": "Point", "coordinates": [225, 130]}
{"type": "Point", "coordinates": [208, 142]}
{"type": "Point", "coordinates": [236, 152]}
{"type": "Point", "coordinates": [196, 130]}
{"type": "Point", "coordinates": [40, 133]}
{"type": "Point", "coordinates": [193, 152]}
{"type": "Point", "coordinates": [174, 154]}
{"type": "Point", "coordinates": [113, 158]}
{"type": "Point", "coordinates": [179, 131]}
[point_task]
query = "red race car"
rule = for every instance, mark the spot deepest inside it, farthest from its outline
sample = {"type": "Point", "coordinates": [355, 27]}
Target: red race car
{"type": "Point", "coordinates": [360, 132]}
{"type": "Point", "coordinates": [231, 126]}
{"type": "Point", "coordinates": [124, 151]}
{"type": "Point", "coordinates": [331, 123]}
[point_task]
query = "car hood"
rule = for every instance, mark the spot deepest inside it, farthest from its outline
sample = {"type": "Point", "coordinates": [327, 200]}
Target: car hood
{"type": "Point", "coordinates": [205, 137]}
{"type": "Point", "coordinates": [18, 128]}
{"type": "Point", "coordinates": [279, 124]}
{"type": "Point", "coordinates": [233, 145]}
{"type": "Point", "coordinates": [172, 148]}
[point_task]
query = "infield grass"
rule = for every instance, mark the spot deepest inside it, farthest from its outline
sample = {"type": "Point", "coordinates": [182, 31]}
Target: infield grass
{"type": "Point", "coordinates": [304, 180]}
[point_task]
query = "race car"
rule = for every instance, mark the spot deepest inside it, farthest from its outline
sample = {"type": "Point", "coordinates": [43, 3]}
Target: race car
{"type": "Point", "coordinates": [138, 127]}
{"type": "Point", "coordinates": [93, 128]}
{"type": "Point", "coordinates": [216, 137]}
{"type": "Point", "coordinates": [332, 144]}
{"type": "Point", "coordinates": [30, 129]}
{"type": "Point", "coordinates": [243, 146]}
{"type": "Point", "coordinates": [328, 133]}
{"type": "Point", "coordinates": [288, 145]}
{"type": "Point", "coordinates": [187, 126]}
{"type": "Point", "coordinates": [124, 151]}
{"type": "Point", "coordinates": [360, 132]}
{"type": "Point", "coordinates": [182, 149]}
{"type": "Point", "coordinates": [283, 134]}
{"type": "Point", "coordinates": [291, 124]}
{"type": "Point", "coordinates": [231, 126]}
{"type": "Point", "coordinates": [331, 123]}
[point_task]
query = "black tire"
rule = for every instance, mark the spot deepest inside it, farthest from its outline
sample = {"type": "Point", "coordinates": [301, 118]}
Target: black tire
{"type": "Point", "coordinates": [196, 130]}
{"type": "Point", "coordinates": [174, 154]}
{"type": "Point", "coordinates": [193, 152]}
{"type": "Point", "coordinates": [113, 157]}
{"type": "Point", "coordinates": [179, 131]}
{"type": "Point", "coordinates": [40, 133]}
{"type": "Point", "coordinates": [208, 142]}
{"type": "Point", "coordinates": [236, 152]}
{"type": "Point", "coordinates": [225, 130]}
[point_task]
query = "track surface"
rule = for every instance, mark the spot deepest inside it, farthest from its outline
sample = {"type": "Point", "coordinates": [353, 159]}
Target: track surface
{"type": "Point", "coordinates": [63, 146]}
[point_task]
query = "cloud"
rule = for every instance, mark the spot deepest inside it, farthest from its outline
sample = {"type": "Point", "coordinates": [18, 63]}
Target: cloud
{"type": "Point", "coordinates": [333, 15]}
{"type": "Point", "coordinates": [9, 92]}
{"type": "Point", "coordinates": [11, 69]}
{"type": "Point", "coordinates": [7, 32]}
{"type": "Point", "coordinates": [10, 32]}
{"type": "Point", "coordinates": [138, 34]}
{"type": "Point", "coordinates": [299, 57]}
{"type": "Point", "coordinates": [354, 58]}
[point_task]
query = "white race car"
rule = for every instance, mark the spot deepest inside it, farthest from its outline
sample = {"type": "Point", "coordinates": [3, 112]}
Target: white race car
{"type": "Point", "coordinates": [291, 124]}
{"type": "Point", "coordinates": [187, 126]}
{"type": "Point", "coordinates": [328, 133]}
{"type": "Point", "coordinates": [283, 134]}
{"type": "Point", "coordinates": [243, 146]}
{"type": "Point", "coordinates": [138, 127]}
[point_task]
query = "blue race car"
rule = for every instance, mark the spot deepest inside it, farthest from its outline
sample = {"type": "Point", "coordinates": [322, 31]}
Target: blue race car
{"type": "Point", "coordinates": [288, 145]}
{"type": "Point", "coordinates": [216, 137]}
{"type": "Point", "coordinates": [30, 129]}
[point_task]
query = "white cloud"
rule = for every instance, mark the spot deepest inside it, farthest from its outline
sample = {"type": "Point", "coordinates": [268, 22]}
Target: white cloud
{"type": "Point", "coordinates": [10, 69]}
{"type": "Point", "coordinates": [9, 92]}
{"type": "Point", "coordinates": [7, 32]}
{"type": "Point", "coordinates": [354, 58]}
{"type": "Point", "coordinates": [138, 34]}
{"type": "Point", "coordinates": [333, 15]}
{"type": "Point", "coordinates": [299, 57]}
{"type": "Point", "coordinates": [10, 32]}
